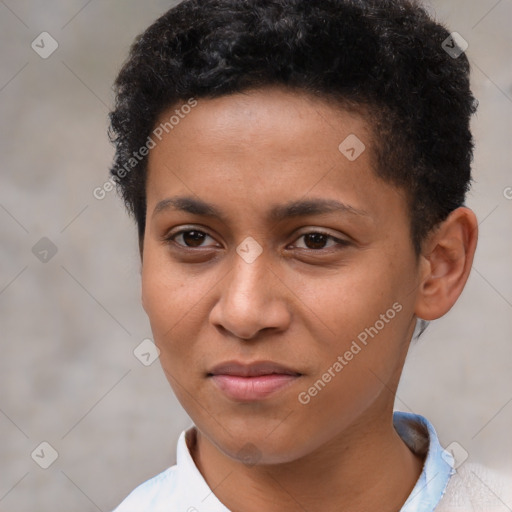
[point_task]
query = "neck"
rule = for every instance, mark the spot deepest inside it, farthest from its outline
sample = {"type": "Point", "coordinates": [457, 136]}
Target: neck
{"type": "Point", "coordinates": [360, 469]}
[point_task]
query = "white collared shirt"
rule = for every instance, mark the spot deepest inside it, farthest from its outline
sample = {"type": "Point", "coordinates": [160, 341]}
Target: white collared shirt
{"type": "Point", "coordinates": [440, 487]}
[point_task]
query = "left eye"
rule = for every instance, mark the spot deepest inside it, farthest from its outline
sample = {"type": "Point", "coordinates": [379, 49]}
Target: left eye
{"type": "Point", "coordinates": [318, 240]}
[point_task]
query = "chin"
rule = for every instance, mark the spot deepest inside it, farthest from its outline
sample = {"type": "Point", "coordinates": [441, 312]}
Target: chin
{"type": "Point", "coordinates": [258, 447]}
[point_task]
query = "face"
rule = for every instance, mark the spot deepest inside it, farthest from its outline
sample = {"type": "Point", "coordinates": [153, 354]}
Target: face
{"type": "Point", "coordinates": [268, 242]}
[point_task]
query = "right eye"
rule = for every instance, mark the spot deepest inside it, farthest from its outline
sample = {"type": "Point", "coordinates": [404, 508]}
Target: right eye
{"type": "Point", "coordinates": [188, 238]}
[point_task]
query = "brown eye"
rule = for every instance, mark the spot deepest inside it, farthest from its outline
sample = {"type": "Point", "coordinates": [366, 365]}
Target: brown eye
{"type": "Point", "coordinates": [189, 238]}
{"type": "Point", "coordinates": [315, 240]}
{"type": "Point", "coordinates": [193, 238]}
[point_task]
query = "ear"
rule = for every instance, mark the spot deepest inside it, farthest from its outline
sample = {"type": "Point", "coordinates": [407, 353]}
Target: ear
{"type": "Point", "coordinates": [447, 257]}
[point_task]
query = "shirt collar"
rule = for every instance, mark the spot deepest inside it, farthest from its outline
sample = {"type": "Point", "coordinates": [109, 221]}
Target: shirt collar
{"type": "Point", "coordinates": [196, 494]}
{"type": "Point", "coordinates": [421, 438]}
{"type": "Point", "coordinates": [415, 430]}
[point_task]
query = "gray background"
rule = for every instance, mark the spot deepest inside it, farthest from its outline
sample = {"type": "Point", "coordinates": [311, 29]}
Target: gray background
{"type": "Point", "coordinates": [68, 374]}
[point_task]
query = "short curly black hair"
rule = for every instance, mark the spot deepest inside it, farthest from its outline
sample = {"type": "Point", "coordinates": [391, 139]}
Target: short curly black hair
{"type": "Point", "coordinates": [386, 57]}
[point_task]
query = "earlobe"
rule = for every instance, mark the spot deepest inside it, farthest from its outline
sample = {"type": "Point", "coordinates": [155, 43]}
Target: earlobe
{"type": "Point", "coordinates": [447, 258]}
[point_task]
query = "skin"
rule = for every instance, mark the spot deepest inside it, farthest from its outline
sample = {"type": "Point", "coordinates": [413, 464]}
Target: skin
{"type": "Point", "coordinates": [301, 303]}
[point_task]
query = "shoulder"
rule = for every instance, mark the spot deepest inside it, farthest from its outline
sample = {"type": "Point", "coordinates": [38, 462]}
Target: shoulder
{"type": "Point", "coordinates": [477, 488]}
{"type": "Point", "coordinates": [151, 494]}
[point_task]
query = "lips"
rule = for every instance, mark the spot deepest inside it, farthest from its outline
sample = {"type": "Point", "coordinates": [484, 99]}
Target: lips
{"type": "Point", "coordinates": [252, 369]}
{"type": "Point", "coordinates": [252, 382]}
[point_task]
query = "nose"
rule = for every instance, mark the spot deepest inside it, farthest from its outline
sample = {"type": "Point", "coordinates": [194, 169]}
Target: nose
{"type": "Point", "coordinates": [252, 299]}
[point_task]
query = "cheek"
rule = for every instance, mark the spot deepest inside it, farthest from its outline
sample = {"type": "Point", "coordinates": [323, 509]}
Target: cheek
{"type": "Point", "coordinates": [169, 300]}
{"type": "Point", "coordinates": [350, 300]}
{"type": "Point", "coordinates": [363, 314]}
{"type": "Point", "coordinates": [165, 294]}
{"type": "Point", "coordinates": [167, 290]}
{"type": "Point", "coordinates": [176, 301]}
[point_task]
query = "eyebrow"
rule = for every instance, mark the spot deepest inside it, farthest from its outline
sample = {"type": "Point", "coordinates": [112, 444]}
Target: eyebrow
{"type": "Point", "coordinates": [292, 209]}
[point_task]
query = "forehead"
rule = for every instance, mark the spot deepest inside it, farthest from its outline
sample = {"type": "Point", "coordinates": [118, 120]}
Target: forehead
{"type": "Point", "coordinates": [277, 117]}
{"type": "Point", "coordinates": [262, 147]}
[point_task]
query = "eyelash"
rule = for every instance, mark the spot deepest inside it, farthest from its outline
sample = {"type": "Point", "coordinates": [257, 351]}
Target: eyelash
{"type": "Point", "coordinates": [340, 243]}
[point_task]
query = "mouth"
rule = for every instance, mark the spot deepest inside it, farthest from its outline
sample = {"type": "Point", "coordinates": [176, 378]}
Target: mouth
{"type": "Point", "coordinates": [252, 382]}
